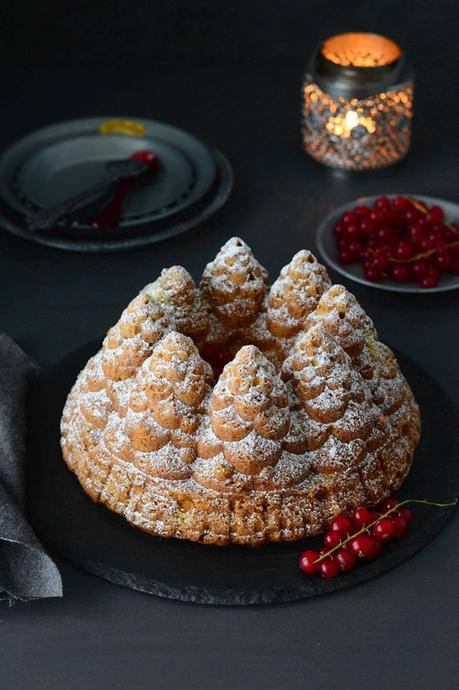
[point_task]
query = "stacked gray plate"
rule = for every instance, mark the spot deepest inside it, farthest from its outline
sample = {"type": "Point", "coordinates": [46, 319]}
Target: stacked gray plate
{"type": "Point", "coordinates": [46, 167]}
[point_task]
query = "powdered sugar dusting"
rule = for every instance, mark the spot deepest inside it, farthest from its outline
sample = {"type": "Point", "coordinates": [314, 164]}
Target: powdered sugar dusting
{"type": "Point", "coordinates": [274, 448]}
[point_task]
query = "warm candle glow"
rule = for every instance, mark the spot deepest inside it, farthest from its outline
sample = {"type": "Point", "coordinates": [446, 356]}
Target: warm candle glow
{"type": "Point", "coordinates": [358, 134]}
{"type": "Point", "coordinates": [351, 120]}
{"type": "Point", "coordinates": [345, 125]}
{"type": "Point", "coordinates": [360, 50]}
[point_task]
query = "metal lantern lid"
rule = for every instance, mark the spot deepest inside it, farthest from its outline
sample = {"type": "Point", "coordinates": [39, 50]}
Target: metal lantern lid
{"type": "Point", "coordinates": [359, 65]}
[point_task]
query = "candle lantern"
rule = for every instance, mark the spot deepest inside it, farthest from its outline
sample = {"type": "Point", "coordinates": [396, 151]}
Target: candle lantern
{"type": "Point", "coordinates": [357, 102]}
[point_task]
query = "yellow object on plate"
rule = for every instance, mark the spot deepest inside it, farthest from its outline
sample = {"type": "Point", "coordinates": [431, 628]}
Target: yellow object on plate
{"type": "Point", "coordinates": [128, 127]}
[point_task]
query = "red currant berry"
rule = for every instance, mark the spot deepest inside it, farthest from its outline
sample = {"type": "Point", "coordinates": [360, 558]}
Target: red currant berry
{"type": "Point", "coordinates": [366, 254]}
{"type": "Point", "coordinates": [385, 233]}
{"type": "Point", "coordinates": [346, 257]}
{"type": "Point", "coordinates": [454, 268]}
{"type": "Point", "coordinates": [380, 263]}
{"type": "Point", "coordinates": [443, 260]}
{"type": "Point", "coordinates": [426, 244]}
{"type": "Point", "coordinates": [371, 273]}
{"type": "Point", "coordinates": [430, 280]}
{"type": "Point", "coordinates": [419, 269]}
{"type": "Point", "coordinates": [404, 250]}
{"type": "Point", "coordinates": [345, 560]}
{"type": "Point", "coordinates": [376, 217]}
{"type": "Point", "coordinates": [362, 516]}
{"type": "Point", "coordinates": [355, 247]}
{"type": "Point", "coordinates": [439, 230]}
{"type": "Point", "coordinates": [308, 563]}
{"type": "Point", "coordinates": [332, 539]}
{"type": "Point", "coordinates": [353, 231]}
{"type": "Point", "coordinates": [347, 218]}
{"type": "Point", "coordinates": [361, 211]}
{"type": "Point", "coordinates": [377, 548]}
{"type": "Point", "coordinates": [441, 246]}
{"type": "Point", "coordinates": [339, 230]}
{"type": "Point", "coordinates": [451, 235]}
{"type": "Point", "coordinates": [401, 203]}
{"type": "Point", "coordinates": [400, 273]}
{"type": "Point", "coordinates": [342, 524]}
{"type": "Point", "coordinates": [224, 356]}
{"type": "Point", "coordinates": [363, 546]}
{"type": "Point", "coordinates": [435, 215]}
{"type": "Point", "coordinates": [366, 227]}
{"type": "Point", "coordinates": [383, 530]}
{"type": "Point", "coordinates": [399, 527]}
{"type": "Point", "coordinates": [387, 504]}
{"type": "Point", "coordinates": [382, 203]}
{"type": "Point", "coordinates": [389, 217]}
{"type": "Point", "coordinates": [209, 353]}
{"type": "Point", "coordinates": [347, 546]}
{"type": "Point", "coordinates": [412, 215]}
{"type": "Point", "coordinates": [406, 514]}
{"type": "Point", "coordinates": [435, 239]}
{"type": "Point", "coordinates": [416, 233]}
{"type": "Point", "coordinates": [329, 569]}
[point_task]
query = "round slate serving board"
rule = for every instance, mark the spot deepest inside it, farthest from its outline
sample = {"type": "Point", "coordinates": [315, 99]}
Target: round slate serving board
{"type": "Point", "coordinates": [49, 165]}
{"type": "Point", "coordinates": [103, 543]}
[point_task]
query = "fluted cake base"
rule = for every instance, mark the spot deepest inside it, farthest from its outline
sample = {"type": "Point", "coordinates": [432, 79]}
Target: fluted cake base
{"type": "Point", "coordinates": [187, 510]}
{"type": "Point", "coordinates": [103, 543]}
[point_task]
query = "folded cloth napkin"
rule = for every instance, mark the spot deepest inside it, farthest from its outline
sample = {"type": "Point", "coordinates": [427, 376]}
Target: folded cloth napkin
{"type": "Point", "coordinates": [26, 571]}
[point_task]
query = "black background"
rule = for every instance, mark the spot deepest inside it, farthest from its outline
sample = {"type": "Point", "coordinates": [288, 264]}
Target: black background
{"type": "Point", "coordinates": [229, 72]}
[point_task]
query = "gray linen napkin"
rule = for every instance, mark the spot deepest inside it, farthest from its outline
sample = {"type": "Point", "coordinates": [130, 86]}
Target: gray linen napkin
{"type": "Point", "coordinates": [26, 571]}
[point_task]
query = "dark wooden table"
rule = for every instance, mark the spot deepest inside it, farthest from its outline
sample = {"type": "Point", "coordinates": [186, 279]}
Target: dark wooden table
{"type": "Point", "coordinates": [230, 72]}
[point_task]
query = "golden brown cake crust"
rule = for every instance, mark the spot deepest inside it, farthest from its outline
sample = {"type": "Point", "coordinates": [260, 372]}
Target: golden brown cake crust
{"type": "Point", "coordinates": [311, 418]}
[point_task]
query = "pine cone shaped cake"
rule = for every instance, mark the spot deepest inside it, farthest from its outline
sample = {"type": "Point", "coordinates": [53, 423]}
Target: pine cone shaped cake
{"type": "Point", "coordinates": [310, 418]}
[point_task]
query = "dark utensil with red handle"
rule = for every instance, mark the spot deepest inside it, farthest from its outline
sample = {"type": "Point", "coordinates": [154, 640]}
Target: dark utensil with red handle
{"type": "Point", "coordinates": [110, 215]}
{"type": "Point", "coordinates": [119, 175]}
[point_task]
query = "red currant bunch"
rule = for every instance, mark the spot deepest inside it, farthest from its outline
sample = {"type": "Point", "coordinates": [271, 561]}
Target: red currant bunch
{"type": "Point", "coordinates": [361, 536]}
{"type": "Point", "coordinates": [401, 239]}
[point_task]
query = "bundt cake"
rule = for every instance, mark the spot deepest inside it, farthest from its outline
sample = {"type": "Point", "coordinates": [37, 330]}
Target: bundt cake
{"type": "Point", "coordinates": [309, 418]}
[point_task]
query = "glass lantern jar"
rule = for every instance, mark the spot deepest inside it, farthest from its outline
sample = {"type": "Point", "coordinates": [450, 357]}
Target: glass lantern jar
{"type": "Point", "coordinates": [357, 102]}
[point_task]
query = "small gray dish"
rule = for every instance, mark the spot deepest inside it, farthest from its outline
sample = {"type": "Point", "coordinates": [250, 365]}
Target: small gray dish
{"type": "Point", "coordinates": [328, 249]}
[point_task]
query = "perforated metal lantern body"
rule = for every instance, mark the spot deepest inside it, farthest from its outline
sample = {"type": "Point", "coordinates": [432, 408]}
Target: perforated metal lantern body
{"type": "Point", "coordinates": [357, 103]}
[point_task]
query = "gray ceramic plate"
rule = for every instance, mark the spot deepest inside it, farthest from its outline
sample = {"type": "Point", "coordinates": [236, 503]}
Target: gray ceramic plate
{"type": "Point", "coordinates": [326, 244]}
{"type": "Point", "coordinates": [68, 167]}
{"type": "Point", "coordinates": [192, 182]}
{"type": "Point", "coordinates": [61, 160]}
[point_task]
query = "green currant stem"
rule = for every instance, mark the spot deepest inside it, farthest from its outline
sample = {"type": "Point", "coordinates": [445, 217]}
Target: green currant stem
{"type": "Point", "coordinates": [366, 528]}
{"type": "Point", "coordinates": [418, 256]}
{"type": "Point", "coordinates": [423, 255]}
{"type": "Point", "coordinates": [421, 208]}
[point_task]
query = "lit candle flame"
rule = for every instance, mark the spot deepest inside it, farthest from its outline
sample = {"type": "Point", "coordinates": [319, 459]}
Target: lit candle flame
{"type": "Point", "coordinates": [351, 120]}
{"type": "Point", "coordinates": [342, 125]}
